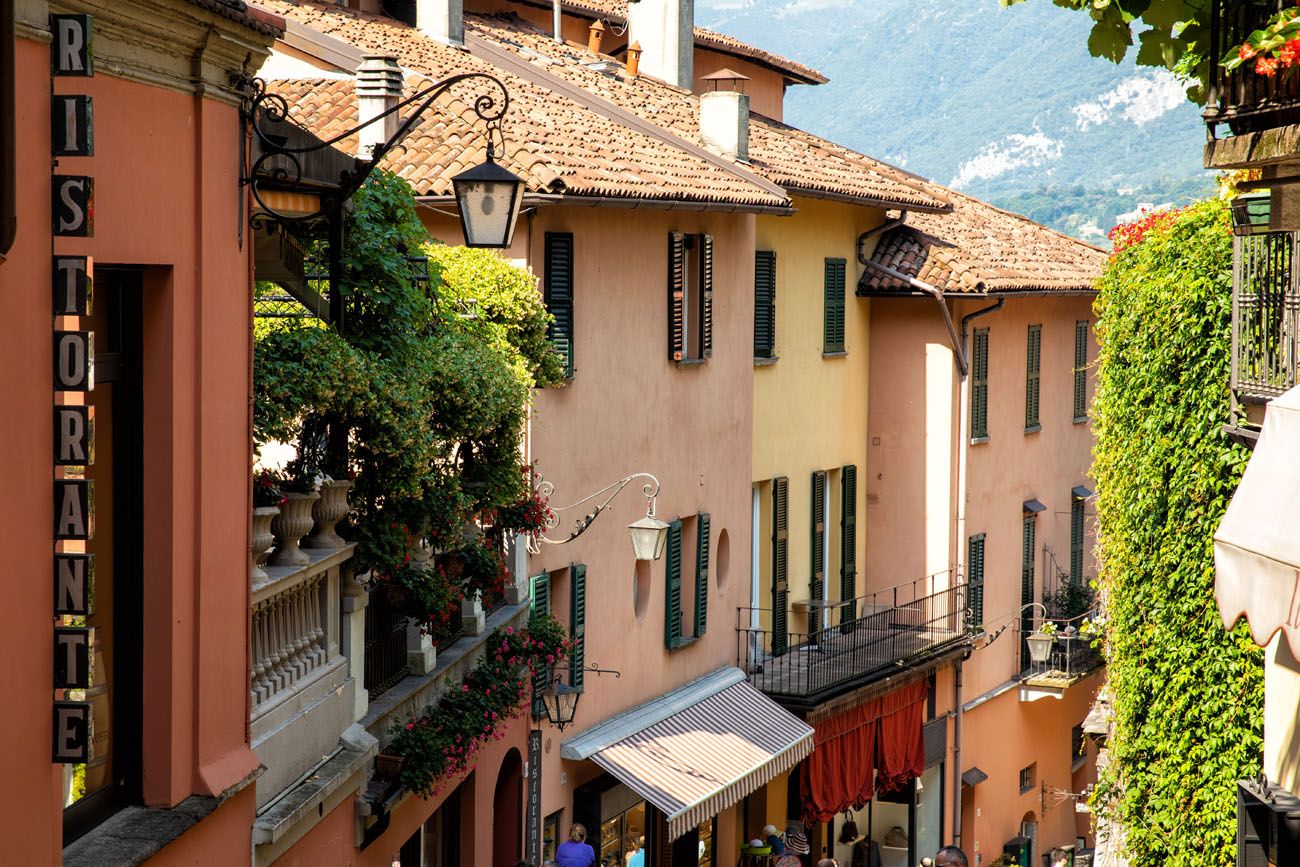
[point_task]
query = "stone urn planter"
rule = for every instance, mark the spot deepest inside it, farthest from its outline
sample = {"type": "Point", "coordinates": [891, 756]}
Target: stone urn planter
{"type": "Point", "coordinates": [327, 512]}
{"type": "Point", "coordinates": [288, 527]}
{"type": "Point", "coordinates": [262, 539]}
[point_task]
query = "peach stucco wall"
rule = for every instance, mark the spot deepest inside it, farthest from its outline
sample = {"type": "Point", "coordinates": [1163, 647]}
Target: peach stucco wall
{"type": "Point", "coordinates": [911, 492]}
{"type": "Point", "coordinates": [630, 409]}
{"type": "Point", "coordinates": [148, 201]}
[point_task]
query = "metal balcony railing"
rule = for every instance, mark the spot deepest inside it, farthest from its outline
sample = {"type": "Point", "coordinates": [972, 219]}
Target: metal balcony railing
{"type": "Point", "coordinates": [1242, 99]}
{"type": "Point", "coordinates": [1073, 653]}
{"type": "Point", "coordinates": [1265, 318]}
{"type": "Point", "coordinates": [851, 642]}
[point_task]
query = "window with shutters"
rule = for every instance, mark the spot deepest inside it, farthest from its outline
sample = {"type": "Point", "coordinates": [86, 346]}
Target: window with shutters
{"type": "Point", "coordinates": [1081, 371]}
{"type": "Point", "coordinates": [690, 297]}
{"type": "Point", "coordinates": [539, 606]}
{"type": "Point", "coordinates": [558, 295]}
{"type": "Point", "coordinates": [975, 581]}
{"type": "Point", "coordinates": [780, 564]}
{"type": "Point", "coordinates": [1033, 353]}
{"type": "Point", "coordinates": [703, 548]}
{"type": "Point", "coordinates": [979, 385]}
{"type": "Point", "coordinates": [1027, 582]}
{"type": "Point", "coordinates": [833, 324]}
{"type": "Point", "coordinates": [1076, 539]}
{"type": "Point", "coordinates": [849, 536]}
{"type": "Point", "coordinates": [673, 587]}
{"type": "Point", "coordinates": [817, 545]}
{"type": "Point", "coordinates": [577, 623]}
{"type": "Point", "coordinates": [764, 304]}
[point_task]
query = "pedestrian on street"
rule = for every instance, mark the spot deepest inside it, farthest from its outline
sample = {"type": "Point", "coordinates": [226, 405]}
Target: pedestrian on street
{"type": "Point", "coordinates": [576, 851]}
{"type": "Point", "coordinates": [950, 856]}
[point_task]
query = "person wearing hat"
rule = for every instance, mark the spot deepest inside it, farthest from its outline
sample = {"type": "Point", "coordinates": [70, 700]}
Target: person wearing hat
{"type": "Point", "coordinates": [773, 838]}
{"type": "Point", "coordinates": [796, 841]}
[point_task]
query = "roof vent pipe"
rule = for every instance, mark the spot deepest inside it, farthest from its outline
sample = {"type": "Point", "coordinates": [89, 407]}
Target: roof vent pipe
{"type": "Point", "coordinates": [666, 31]}
{"type": "Point", "coordinates": [595, 36]}
{"type": "Point", "coordinates": [379, 88]}
{"type": "Point", "coordinates": [634, 60]}
{"type": "Point", "coordinates": [556, 22]}
{"type": "Point", "coordinates": [443, 20]}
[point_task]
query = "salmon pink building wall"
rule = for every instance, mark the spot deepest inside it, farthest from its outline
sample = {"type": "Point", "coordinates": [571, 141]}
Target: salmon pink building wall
{"type": "Point", "coordinates": [914, 510]}
{"type": "Point", "coordinates": [166, 173]}
{"type": "Point", "coordinates": [630, 409]}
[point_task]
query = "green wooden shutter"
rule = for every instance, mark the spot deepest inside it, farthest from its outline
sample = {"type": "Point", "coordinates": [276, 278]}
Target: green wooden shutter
{"type": "Point", "coordinates": [975, 581]}
{"type": "Point", "coordinates": [702, 549]}
{"type": "Point", "coordinates": [979, 384]}
{"type": "Point", "coordinates": [848, 533]}
{"type": "Point", "coordinates": [577, 623]}
{"type": "Point", "coordinates": [1081, 370]}
{"type": "Point", "coordinates": [676, 296]}
{"type": "Point", "coordinates": [673, 587]}
{"type": "Point", "coordinates": [558, 295]}
{"type": "Point", "coordinates": [833, 327]}
{"type": "Point", "coordinates": [1076, 539]}
{"type": "Point", "coordinates": [706, 296]}
{"type": "Point", "coordinates": [1032, 361]}
{"type": "Point", "coordinates": [540, 606]}
{"type": "Point", "coordinates": [1027, 581]}
{"type": "Point", "coordinates": [764, 303]}
{"type": "Point", "coordinates": [780, 566]}
{"type": "Point", "coordinates": [818, 544]}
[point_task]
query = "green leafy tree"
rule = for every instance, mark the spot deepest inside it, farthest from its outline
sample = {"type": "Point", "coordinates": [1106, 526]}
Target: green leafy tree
{"type": "Point", "coordinates": [1173, 34]}
{"type": "Point", "coordinates": [1186, 694]}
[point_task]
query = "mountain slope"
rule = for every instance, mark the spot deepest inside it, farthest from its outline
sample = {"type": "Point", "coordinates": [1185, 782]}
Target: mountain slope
{"type": "Point", "coordinates": [1005, 104]}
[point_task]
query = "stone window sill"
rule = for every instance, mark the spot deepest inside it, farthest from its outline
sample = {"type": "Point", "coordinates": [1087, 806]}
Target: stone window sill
{"type": "Point", "coordinates": [765, 362]}
{"type": "Point", "coordinates": [977, 440]}
{"type": "Point", "coordinates": [843, 353]}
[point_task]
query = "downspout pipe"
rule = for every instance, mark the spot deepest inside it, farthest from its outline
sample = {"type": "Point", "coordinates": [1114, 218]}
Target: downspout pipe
{"type": "Point", "coordinates": [958, 349]}
{"type": "Point", "coordinates": [963, 438]}
{"type": "Point", "coordinates": [556, 25]}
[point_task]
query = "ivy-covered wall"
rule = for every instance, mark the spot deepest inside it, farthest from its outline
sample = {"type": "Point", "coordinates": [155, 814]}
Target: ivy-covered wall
{"type": "Point", "coordinates": [1187, 696]}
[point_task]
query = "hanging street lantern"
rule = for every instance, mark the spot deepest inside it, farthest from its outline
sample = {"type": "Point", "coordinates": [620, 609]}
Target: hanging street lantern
{"type": "Point", "coordinates": [561, 703]}
{"type": "Point", "coordinates": [489, 197]}
{"type": "Point", "coordinates": [648, 537]}
{"type": "Point", "coordinates": [1040, 646]}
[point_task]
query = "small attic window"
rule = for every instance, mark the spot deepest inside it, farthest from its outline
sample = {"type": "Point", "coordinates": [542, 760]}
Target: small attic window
{"type": "Point", "coordinates": [402, 10]}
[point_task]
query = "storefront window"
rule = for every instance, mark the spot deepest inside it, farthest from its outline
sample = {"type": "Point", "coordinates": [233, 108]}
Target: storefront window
{"type": "Point", "coordinates": [706, 843]}
{"type": "Point", "coordinates": [621, 836]}
{"type": "Point", "coordinates": [550, 835]}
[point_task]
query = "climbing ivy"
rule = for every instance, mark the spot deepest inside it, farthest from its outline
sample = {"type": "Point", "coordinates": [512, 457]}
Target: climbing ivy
{"type": "Point", "coordinates": [1186, 694]}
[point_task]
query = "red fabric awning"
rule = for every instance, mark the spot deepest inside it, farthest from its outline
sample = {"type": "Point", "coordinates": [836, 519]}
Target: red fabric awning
{"type": "Point", "coordinates": [878, 742]}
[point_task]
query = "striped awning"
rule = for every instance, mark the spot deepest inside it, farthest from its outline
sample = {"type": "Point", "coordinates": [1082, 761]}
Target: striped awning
{"type": "Point", "coordinates": [705, 757]}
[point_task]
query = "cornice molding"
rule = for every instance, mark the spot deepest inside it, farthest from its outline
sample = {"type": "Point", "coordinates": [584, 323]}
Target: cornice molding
{"type": "Point", "coordinates": [164, 43]}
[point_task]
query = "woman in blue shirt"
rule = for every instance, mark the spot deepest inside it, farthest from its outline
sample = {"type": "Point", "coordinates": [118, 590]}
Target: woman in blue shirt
{"type": "Point", "coordinates": [576, 851]}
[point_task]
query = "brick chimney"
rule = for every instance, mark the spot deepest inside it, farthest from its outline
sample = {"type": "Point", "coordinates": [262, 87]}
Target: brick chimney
{"type": "Point", "coordinates": [724, 114]}
{"type": "Point", "coordinates": [666, 31]}
{"type": "Point", "coordinates": [444, 20]}
{"type": "Point", "coordinates": [379, 88]}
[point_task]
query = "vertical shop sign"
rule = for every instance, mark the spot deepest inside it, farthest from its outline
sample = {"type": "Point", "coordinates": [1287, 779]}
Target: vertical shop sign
{"type": "Point", "coordinates": [534, 816]}
{"type": "Point", "coordinates": [72, 134]}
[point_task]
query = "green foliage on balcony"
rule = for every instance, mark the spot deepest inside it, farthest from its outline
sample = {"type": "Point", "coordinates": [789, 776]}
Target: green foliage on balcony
{"type": "Point", "coordinates": [1187, 695]}
{"type": "Point", "coordinates": [432, 390]}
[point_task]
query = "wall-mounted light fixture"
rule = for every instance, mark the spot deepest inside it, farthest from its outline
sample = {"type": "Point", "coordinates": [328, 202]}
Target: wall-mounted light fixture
{"type": "Point", "coordinates": [648, 533]}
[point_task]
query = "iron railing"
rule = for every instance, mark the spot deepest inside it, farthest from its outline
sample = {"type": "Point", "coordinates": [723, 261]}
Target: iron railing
{"type": "Point", "coordinates": [1265, 317]}
{"type": "Point", "coordinates": [1243, 99]}
{"type": "Point", "coordinates": [385, 642]}
{"type": "Point", "coordinates": [1074, 653]}
{"type": "Point", "coordinates": [858, 640]}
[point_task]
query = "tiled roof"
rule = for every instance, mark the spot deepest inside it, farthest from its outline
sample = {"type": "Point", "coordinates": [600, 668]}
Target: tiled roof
{"type": "Point", "coordinates": [616, 11]}
{"type": "Point", "coordinates": [979, 248]}
{"type": "Point", "coordinates": [796, 160]}
{"type": "Point", "coordinates": [557, 144]}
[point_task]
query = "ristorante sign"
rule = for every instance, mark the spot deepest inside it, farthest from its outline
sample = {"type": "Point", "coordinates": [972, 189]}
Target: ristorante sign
{"type": "Point", "coordinates": [73, 210]}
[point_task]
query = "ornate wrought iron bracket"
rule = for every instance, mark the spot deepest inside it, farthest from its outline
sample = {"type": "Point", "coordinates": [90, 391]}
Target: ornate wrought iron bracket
{"type": "Point", "coordinates": [597, 670]}
{"type": "Point", "coordinates": [650, 489]}
{"type": "Point", "coordinates": [280, 164]}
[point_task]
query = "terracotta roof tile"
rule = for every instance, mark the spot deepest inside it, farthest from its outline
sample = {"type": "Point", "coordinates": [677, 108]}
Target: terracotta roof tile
{"type": "Point", "coordinates": [616, 11]}
{"type": "Point", "coordinates": [238, 11]}
{"type": "Point", "coordinates": [978, 248]}
{"type": "Point", "coordinates": [794, 159]}
{"type": "Point", "coordinates": [556, 144]}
